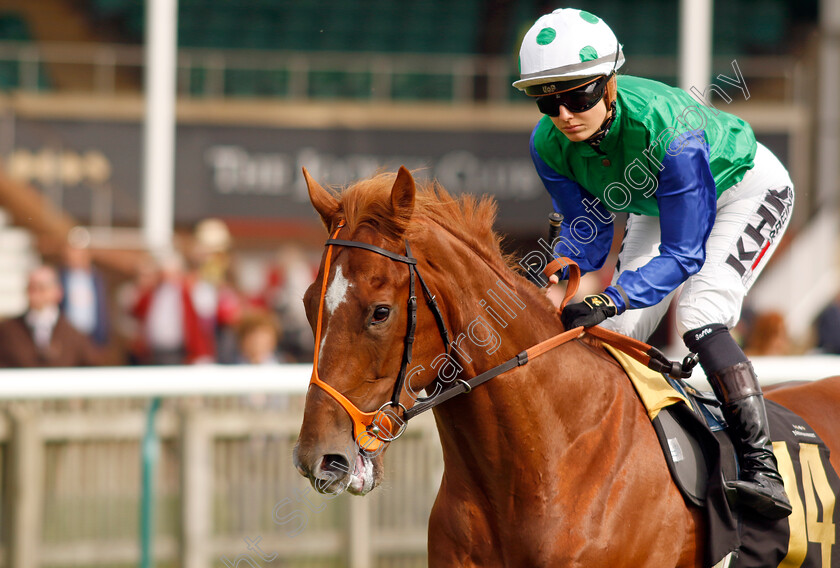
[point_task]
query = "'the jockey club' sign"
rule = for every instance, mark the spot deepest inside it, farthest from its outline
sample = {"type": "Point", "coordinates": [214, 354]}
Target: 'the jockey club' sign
{"type": "Point", "coordinates": [256, 172]}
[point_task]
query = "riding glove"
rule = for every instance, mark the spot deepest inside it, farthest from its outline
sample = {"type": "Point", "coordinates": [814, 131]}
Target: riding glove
{"type": "Point", "coordinates": [591, 311]}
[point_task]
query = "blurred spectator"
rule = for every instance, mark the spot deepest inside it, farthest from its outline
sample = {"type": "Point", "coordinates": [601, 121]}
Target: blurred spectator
{"type": "Point", "coordinates": [768, 336]}
{"type": "Point", "coordinates": [216, 301]}
{"type": "Point", "coordinates": [258, 335]}
{"type": "Point", "coordinates": [287, 284]}
{"type": "Point", "coordinates": [85, 302]}
{"type": "Point", "coordinates": [42, 336]}
{"type": "Point", "coordinates": [828, 328]}
{"type": "Point", "coordinates": [258, 339]}
{"type": "Point", "coordinates": [170, 330]}
{"type": "Point", "coordinates": [128, 328]}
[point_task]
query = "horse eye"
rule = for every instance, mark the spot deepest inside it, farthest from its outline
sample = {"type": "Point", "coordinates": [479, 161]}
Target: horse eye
{"type": "Point", "coordinates": [380, 314]}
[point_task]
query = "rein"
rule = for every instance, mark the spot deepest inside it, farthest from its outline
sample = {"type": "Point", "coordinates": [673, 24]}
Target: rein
{"type": "Point", "coordinates": [372, 429]}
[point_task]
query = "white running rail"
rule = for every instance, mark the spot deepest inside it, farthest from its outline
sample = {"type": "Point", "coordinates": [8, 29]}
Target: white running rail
{"type": "Point", "coordinates": [225, 380]}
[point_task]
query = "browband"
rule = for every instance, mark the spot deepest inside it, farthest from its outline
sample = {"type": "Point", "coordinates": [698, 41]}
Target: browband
{"type": "Point", "coordinates": [382, 251]}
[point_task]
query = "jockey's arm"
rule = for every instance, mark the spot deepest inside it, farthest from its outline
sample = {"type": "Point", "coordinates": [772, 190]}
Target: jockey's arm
{"type": "Point", "coordinates": [687, 200]}
{"type": "Point", "coordinates": [587, 231]}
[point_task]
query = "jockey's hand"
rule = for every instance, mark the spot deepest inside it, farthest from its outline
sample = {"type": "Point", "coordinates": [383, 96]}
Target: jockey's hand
{"type": "Point", "coordinates": [554, 279]}
{"type": "Point", "coordinates": [591, 311]}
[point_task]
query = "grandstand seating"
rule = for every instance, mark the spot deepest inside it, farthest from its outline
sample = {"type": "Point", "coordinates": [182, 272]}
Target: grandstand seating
{"type": "Point", "coordinates": [424, 26]}
{"type": "Point", "coordinates": [14, 28]}
{"type": "Point", "coordinates": [647, 27]}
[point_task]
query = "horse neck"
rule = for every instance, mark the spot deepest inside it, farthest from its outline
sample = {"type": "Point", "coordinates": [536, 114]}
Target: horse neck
{"type": "Point", "coordinates": [531, 415]}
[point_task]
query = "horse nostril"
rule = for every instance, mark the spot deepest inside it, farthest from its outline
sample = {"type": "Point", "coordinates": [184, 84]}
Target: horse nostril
{"type": "Point", "coordinates": [334, 463]}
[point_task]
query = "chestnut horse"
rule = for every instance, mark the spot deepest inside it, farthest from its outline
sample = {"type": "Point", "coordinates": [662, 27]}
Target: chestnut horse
{"type": "Point", "coordinates": [551, 464]}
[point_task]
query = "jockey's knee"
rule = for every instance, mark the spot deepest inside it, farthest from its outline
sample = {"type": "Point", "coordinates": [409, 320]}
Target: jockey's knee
{"type": "Point", "coordinates": [700, 311]}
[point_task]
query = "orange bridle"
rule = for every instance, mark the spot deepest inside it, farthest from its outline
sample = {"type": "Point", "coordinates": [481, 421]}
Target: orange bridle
{"type": "Point", "coordinates": [361, 420]}
{"type": "Point", "coordinates": [371, 429]}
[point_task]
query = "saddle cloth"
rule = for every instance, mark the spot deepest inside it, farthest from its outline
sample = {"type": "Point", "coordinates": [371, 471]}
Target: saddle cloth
{"type": "Point", "coordinates": [700, 456]}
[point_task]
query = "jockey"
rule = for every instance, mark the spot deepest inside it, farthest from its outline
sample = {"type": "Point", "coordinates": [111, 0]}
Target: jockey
{"type": "Point", "coordinates": [706, 208]}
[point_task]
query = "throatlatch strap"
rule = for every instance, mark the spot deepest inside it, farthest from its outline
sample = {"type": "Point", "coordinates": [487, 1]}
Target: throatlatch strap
{"type": "Point", "coordinates": [431, 301]}
{"type": "Point", "coordinates": [411, 325]}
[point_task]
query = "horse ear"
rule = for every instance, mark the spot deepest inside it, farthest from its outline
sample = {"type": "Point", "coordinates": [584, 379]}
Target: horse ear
{"type": "Point", "coordinates": [402, 194]}
{"type": "Point", "coordinates": [324, 203]}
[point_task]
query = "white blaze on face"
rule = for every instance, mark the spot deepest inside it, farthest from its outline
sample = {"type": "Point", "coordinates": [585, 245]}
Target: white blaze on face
{"type": "Point", "coordinates": [335, 296]}
{"type": "Point", "coordinates": [337, 292]}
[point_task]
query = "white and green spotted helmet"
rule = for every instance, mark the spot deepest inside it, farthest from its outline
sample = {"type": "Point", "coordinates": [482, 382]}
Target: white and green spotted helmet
{"type": "Point", "coordinates": [563, 46]}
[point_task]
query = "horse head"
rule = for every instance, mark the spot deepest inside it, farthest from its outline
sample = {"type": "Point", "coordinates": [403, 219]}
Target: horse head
{"type": "Point", "coordinates": [360, 311]}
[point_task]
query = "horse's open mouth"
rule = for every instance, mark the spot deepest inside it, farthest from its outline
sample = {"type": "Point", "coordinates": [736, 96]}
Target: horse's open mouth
{"type": "Point", "coordinates": [362, 479]}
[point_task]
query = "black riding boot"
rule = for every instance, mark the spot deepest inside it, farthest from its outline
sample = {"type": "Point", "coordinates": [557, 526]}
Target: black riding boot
{"type": "Point", "coordinates": [731, 375]}
{"type": "Point", "coordinates": [760, 487]}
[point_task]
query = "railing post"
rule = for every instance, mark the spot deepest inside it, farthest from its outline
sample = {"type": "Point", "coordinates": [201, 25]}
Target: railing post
{"type": "Point", "coordinates": [29, 57]}
{"type": "Point", "coordinates": [298, 77]}
{"type": "Point", "coordinates": [359, 533]}
{"type": "Point", "coordinates": [196, 490]}
{"type": "Point", "coordinates": [105, 73]}
{"type": "Point", "coordinates": [26, 489]}
{"type": "Point", "coordinates": [150, 452]}
{"type": "Point", "coordinates": [382, 73]}
{"type": "Point", "coordinates": [463, 77]}
{"type": "Point", "coordinates": [498, 86]}
{"type": "Point", "coordinates": [214, 79]}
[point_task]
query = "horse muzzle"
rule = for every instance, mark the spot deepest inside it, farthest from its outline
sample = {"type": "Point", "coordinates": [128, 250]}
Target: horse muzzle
{"type": "Point", "coordinates": [334, 473]}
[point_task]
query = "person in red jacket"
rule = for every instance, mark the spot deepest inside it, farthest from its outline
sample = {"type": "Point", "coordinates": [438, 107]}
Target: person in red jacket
{"type": "Point", "coordinates": [171, 332]}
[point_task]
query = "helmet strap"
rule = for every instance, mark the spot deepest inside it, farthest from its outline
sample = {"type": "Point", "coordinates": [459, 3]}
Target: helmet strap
{"type": "Point", "coordinates": [601, 133]}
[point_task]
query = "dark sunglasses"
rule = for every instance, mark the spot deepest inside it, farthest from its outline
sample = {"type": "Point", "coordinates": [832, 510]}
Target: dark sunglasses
{"type": "Point", "coordinates": [580, 99]}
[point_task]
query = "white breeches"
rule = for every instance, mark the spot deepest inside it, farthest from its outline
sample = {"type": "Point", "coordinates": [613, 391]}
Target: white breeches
{"type": "Point", "coordinates": [751, 218]}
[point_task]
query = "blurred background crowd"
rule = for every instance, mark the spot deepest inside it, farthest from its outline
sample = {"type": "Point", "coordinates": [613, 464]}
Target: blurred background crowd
{"type": "Point", "coordinates": [202, 304]}
{"type": "Point", "coordinates": [208, 304]}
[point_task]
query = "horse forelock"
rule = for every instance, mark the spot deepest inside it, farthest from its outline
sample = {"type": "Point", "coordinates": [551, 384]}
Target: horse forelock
{"type": "Point", "coordinates": [469, 219]}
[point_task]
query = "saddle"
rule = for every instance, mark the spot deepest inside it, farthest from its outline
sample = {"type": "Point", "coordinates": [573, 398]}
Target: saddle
{"type": "Point", "coordinates": [692, 433]}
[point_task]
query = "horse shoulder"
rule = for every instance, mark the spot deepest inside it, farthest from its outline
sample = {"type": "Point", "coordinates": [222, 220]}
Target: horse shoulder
{"type": "Point", "coordinates": [644, 503]}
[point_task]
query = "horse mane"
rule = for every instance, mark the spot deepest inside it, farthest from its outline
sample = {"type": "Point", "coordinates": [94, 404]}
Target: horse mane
{"type": "Point", "coordinates": [468, 218]}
